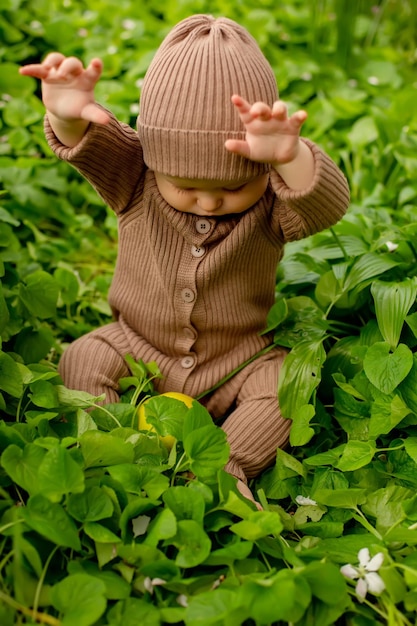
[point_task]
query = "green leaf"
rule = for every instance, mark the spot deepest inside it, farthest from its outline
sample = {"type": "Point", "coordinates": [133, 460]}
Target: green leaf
{"type": "Point", "coordinates": [22, 465]}
{"type": "Point", "coordinates": [326, 582]}
{"type": "Point", "coordinates": [185, 503]}
{"type": "Point", "coordinates": [100, 449]}
{"type": "Point", "coordinates": [59, 475]}
{"type": "Point", "coordinates": [10, 377]}
{"type": "Point", "coordinates": [100, 533]}
{"type": "Point", "coordinates": [283, 597]}
{"type": "Point", "coordinates": [51, 521]}
{"type": "Point", "coordinates": [39, 294]}
{"type": "Point", "coordinates": [301, 431]}
{"type": "Point", "coordinates": [368, 266]}
{"type": "Point", "coordinates": [193, 544]}
{"type": "Point", "coordinates": [386, 413]}
{"type": "Point", "coordinates": [257, 525]}
{"type": "Point", "coordinates": [80, 598]}
{"type": "Point", "coordinates": [300, 376]}
{"type": "Point", "coordinates": [341, 498]}
{"type": "Point", "coordinates": [92, 505]}
{"type": "Point", "coordinates": [207, 450]}
{"type": "Point", "coordinates": [356, 454]}
{"type": "Point", "coordinates": [363, 132]}
{"type": "Point", "coordinates": [392, 303]}
{"type": "Point", "coordinates": [387, 369]}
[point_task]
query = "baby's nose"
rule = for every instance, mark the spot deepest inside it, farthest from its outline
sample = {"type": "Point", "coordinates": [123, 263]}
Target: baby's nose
{"type": "Point", "coordinates": [209, 201]}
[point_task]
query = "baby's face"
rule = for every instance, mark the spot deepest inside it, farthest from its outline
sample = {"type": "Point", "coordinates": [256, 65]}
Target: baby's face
{"type": "Point", "coordinates": [211, 198]}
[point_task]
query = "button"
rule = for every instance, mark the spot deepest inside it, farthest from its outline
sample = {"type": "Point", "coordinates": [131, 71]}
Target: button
{"type": "Point", "coordinates": [187, 362]}
{"type": "Point", "coordinates": [187, 295]}
{"type": "Point", "coordinates": [202, 226]}
{"type": "Point", "coordinates": [198, 251]}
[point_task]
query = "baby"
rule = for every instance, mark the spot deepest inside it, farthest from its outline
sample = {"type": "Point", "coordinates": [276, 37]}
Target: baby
{"type": "Point", "coordinates": [207, 191]}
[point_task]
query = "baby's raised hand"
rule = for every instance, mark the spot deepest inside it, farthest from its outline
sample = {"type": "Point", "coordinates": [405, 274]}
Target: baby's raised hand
{"type": "Point", "coordinates": [271, 135]}
{"type": "Point", "coordinates": [68, 87]}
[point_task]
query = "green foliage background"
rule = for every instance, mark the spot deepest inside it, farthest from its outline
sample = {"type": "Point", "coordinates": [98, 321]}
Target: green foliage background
{"type": "Point", "coordinates": [346, 305]}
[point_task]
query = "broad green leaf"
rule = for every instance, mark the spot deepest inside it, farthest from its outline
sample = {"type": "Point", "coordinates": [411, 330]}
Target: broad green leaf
{"type": "Point", "coordinates": [59, 475]}
{"type": "Point", "coordinates": [80, 598]}
{"type": "Point", "coordinates": [136, 479]}
{"type": "Point", "coordinates": [326, 582]}
{"type": "Point", "coordinates": [185, 503]}
{"type": "Point", "coordinates": [282, 597]}
{"type": "Point", "coordinates": [192, 542]}
{"type": "Point", "coordinates": [51, 521]}
{"type": "Point", "coordinates": [207, 450]}
{"type": "Point", "coordinates": [410, 445]}
{"type": "Point", "coordinates": [341, 498]}
{"type": "Point", "coordinates": [166, 415]}
{"type": "Point", "coordinates": [22, 465]}
{"type": "Point", "coordinates": [92, 505]}
{"type": "Point", "coordinates": [356, 454]}
{"type": "Point", "coordinates": [126, 612]}
{"type": "Point", "coordinates": [214, 607]}
{"type": "Point", "coordinates": [368, 266]}
{"type": "Point", "coordinates": [233, 551]}
{"type": "Point", "coordinates": [276, 315]}
{"type": "Point", "coordinates": [392, 302]}
{"type": "Point", "coordinates": [163, 526]}
{"type": "Point", "coordinates": [408, 387]}
{"type": "Point", "coordinates": [363, 132]}
{"type": "Point", "coordinates": [10, 377]}
{"type": "Point", "coordinates": [328, 289]}
{"type": "Point", "coordinates": [39, 294]}
{"type": "Point", "coordinates": [386, 413]}
{"type": "Point", "coordinates": [44, 394]}
{"type": "Point", "coordinates": [386, 369]}
{"type": "Point", "coordinates": [257, 525]}
{"type": "Point", "coordinates": [300, 376]}
{"type": "Point", "coordinates": [301, 431]}
{"type": "Point", "coordinates": [196, 417]}
{"type": "Point", "coordinates": [100, 533]}
{"type": "Point", "coordinates": [100, 449]}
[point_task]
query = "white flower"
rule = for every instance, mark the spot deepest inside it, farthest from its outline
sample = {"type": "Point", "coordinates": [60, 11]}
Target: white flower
{"type": "Point", "coordinates": [368, 579]}
{"type": "Point", "coordinates": [303, 501]}
{"type": "Point", "coordinates": [149, 583]}
{"type": "Point", "coordinates": [391, 246]}
{"type": "Point", "coordinates": [182, 600]}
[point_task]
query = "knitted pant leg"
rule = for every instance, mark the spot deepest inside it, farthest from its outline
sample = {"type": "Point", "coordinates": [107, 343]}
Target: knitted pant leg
{"type": "Point", "coordinates": [255, 429]}
{"type": "Point", "coordinates": [95, 362]}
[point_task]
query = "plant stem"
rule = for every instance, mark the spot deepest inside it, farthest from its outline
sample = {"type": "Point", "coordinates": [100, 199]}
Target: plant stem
{"type": "Point", "coordinates": [360, 517]}
{"type": "Point", "coordinates": [41, 580]}
{"type": "Point", "coordinates": [43, 618]}
{"type": "Point", "coordinates": [102, 408]}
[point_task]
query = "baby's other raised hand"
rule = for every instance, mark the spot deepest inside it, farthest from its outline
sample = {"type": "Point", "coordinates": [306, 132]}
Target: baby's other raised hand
{"type": "Point", "coordinates": [272, 136]}
{"type": "Point", "coordinates": [68, 87]}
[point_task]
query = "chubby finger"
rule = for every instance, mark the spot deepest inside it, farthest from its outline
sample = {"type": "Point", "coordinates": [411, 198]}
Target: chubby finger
{"type": "Point", "coordinates": [279, 110]}
{"type": "Point", "coordinates": [95, 69]}
{"type": "Point", "coordinates": [261, 111]}
{"type": "Point", "coordinates": [70, 67]}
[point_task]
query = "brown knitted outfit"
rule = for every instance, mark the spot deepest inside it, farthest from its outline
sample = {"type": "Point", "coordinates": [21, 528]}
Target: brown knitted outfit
{"type": "Point", "coordinates": [192, 293]}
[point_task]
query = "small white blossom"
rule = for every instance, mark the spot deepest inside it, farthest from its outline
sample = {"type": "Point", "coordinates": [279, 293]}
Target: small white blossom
{"type": "Point", "coordinates": [128, 24]}
{"type": "Point", "coordinates": [366, 573]}
{"type": "Point", "coordinates": [391, 246]}
{"type": "Point", "coordinates": [182, 600]}
{"type": "Point", "coordinates": [373, 80]}
{"type": "Point", "coordinates": [150, 583]}
{"type": "Point", "coordinates": [303, 501]}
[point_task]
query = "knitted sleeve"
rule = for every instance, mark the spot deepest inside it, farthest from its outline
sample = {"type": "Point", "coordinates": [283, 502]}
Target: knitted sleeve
{"type": "Point", "coordinates": [300, 213]}
{"type": "Point", "coordinates": [109, 157]}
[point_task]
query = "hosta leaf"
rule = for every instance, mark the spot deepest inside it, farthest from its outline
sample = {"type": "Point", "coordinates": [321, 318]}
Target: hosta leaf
{"type": "Point", "coordinates": [300, 376]}
{"type": "Point", "coordinates": [392, 302]}
{"type": "Point", "coordinates": [301, 431]}
{"type": "Point", "coordinates": [387, 369]}
{"type": "Point", "coordinates": [368, 266]}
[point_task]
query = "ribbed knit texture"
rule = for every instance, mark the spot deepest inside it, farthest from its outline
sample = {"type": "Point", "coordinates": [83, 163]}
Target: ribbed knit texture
{"type": "Point", "coordinates": [186, 113]}
{"type": "Point", "coordinates": [199, 338]}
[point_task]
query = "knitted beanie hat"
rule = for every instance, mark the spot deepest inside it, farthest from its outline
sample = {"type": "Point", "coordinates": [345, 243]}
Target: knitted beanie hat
{"type": "Point", "coordinates": [186, 113]}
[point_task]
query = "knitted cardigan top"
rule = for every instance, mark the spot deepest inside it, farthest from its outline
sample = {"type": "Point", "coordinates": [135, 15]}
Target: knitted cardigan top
{"type": "Point", "coordinates": [193, 293]}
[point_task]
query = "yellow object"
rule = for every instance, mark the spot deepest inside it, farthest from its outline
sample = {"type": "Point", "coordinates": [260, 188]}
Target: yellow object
{"type": "Point", "coordinates": [168, 440]}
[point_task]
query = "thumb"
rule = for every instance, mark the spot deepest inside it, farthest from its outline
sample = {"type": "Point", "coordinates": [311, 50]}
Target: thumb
{"type": "Point", "coordinates": [94, 113]}
{"type": "Point", "coordinates": [238, 146]}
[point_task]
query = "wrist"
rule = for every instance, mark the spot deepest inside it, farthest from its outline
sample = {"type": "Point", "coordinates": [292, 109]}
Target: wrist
{"type": "Point", "coordinates": [69, 132]}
